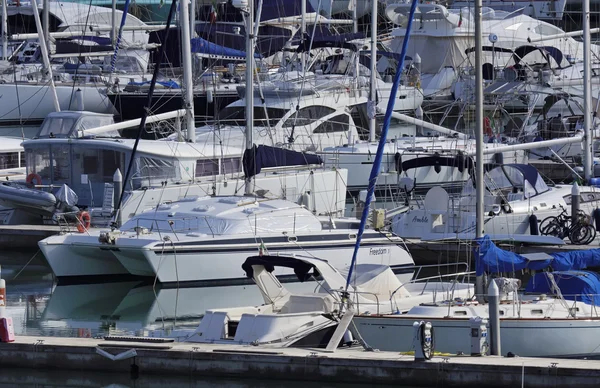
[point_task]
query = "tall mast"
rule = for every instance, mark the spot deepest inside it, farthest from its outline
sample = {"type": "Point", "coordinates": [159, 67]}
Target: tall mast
{"type": "Point", "coordinates": [381, 145]}
{"type": "Point", "coordinates": [587, 94]}
{"type": "Point", "coordinates": [373, 95]}
{"type": "Point", "coordinates": [4, 30]}
{"type": "Point", "coordinates": [46, 21]}
{"type": "Point", "coordinates": [479, 189]}
{"type": "Point", "coordinates": [193, 17]}
{"type": "Point", "coordinates": [250, 83]}
{"type": "Point", "coordinates": [113, 23]}
{"type": "Point", "coordinates": [45, 55]}
{"type": "Point", "coordinates": [186, 57]}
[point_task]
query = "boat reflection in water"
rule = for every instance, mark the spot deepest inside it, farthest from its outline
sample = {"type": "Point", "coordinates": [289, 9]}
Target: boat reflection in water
{"type": "Point", "coordinates": [138, 308]}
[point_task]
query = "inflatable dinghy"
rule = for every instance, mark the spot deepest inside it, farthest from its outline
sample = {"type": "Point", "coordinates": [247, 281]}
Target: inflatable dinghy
{"type": "Point", "coordinates": [20, 196]}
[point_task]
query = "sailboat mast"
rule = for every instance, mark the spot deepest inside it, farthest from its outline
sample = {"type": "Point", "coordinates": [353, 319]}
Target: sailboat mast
{"type": "Point", "coordinates": [587, 94]}
{"type": "Point", "coordinates": [382, 139]}
{"type": "Point", "coordinates": [142, 125]}
{"type": "Point", "coordinates": [186, 57]}
{"type": "Point", "coordinates": [113, 23]}
{"type": "Point", "coordinates": [4, 31]}
{"type": "Point", "coordinates": [46, 21]}
{"type": "Point", "coordinates": [480, 187]}
{"type": "Point", "coordinates": [372, 111]}
{"type": "Point", "coordinates": [249, 85]}
{"type": "Point", "coordinates": [45, 54]}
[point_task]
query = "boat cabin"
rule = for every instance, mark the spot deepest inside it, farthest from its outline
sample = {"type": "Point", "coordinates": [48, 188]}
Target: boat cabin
{"type": "Point", "coordinates": [63, 152]}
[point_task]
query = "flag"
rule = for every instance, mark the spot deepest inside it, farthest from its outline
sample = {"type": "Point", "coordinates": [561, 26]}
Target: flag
{"type": "Point", "coordinates": [213, 13]}
{"type": "Point", "coordinates": [460, 19]}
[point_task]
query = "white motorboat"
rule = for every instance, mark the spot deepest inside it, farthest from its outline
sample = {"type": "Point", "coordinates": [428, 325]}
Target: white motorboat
{"type": "Point", "coordinates": [68, 151]}
{"type": "Point", "coordinates": [556, 317]}
{"type": "Point", "coordinates": [515, 193]}
{"type": "Point", "coordinates": [441, 37]}
{"type": "Point", "coordinates": [427, 161]}
{"type": "Point", "coordinates": [204, 240]}
{"type": "Point", "coordinates": [548, 74]}
{"type": "Point", "coordinates": [312, 109]}
{"type": "Point", "coordinates": [289, 318]}
{"type": "Point", "coordinates": [537, 9]}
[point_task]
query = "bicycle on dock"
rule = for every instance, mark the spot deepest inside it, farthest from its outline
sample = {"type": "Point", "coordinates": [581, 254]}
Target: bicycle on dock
{"type": "Point", "coordinates": [580, 232]}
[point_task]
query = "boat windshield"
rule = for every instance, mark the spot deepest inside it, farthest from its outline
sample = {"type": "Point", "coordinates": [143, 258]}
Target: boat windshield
{"type": "Point", "coordinates": [263, 117]}
{"type": "Point", "coordinates": [67, 125]}
{"type": "Point", "coordinates": [516, 178]}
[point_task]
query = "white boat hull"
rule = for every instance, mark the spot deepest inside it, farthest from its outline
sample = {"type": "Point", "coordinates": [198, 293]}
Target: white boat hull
{"type": "Point", "coordinates": [525, 337]}
{"type": "Point", "coordinates": [80, 260]}
{"type": "Point", "coordinates": [31, 103]}
{"type": "Point", "coordinates": [219, 261]}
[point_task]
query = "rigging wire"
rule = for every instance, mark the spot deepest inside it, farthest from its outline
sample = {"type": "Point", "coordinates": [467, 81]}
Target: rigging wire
{"type": "Point", "coordinates": [148, 105]}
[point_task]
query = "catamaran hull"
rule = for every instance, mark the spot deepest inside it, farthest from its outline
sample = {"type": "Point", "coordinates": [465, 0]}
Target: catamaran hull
{"type": "Point", "coordinates": [218, 262]}
{"type": "Point", "coordinates": [523, 337]}
{"type": "Point", "coordinates": [80, 260]}
{"type": "Point", "coordinates": [224, 263]}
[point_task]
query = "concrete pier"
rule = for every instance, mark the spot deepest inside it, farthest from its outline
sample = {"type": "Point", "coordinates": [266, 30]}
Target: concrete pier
{"type": "Point", "coordinates": [345, 365]}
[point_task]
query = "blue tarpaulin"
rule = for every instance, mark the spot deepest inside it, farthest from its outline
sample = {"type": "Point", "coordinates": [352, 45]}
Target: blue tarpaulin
{"type": "Point", "coordinates": [168, 84]}
{"type": "Point", "coordinates": [264, 156]}
{"type": "Point", "coordinates": [491, 259]}
{"type": "Point", "coordinates": [582, 286]}
{"type": "Point", "coordinates": [203, 46]}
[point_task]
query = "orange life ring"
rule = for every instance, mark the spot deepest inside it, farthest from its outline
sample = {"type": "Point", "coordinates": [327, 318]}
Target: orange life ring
{"type": "Point", "coordinates": [84, 220]}
{"type": "Point", "coordinates": [487, 126]}
{"type": "Point", "coordinates": [31, 177]}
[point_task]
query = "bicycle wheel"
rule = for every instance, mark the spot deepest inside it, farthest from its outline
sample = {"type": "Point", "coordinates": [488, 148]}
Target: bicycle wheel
{"type": "Point", "coordinates": [582, 234]}
{"type": "Point", "coordinates": [555, 229]}
{"type": "Point", "coordinates": [591, 234]}
{"type": "Point", "coordinates": [546, 223]}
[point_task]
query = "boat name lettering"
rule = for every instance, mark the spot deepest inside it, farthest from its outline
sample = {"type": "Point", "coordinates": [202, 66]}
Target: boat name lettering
{"type": "Point", "coordinates": [420, 220]}
{"type": "Point", "coordinates": [378, 251]}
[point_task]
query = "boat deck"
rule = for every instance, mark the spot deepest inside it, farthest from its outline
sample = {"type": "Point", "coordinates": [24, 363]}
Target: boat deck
{"type": "Point", "coordinates": [345, 365]}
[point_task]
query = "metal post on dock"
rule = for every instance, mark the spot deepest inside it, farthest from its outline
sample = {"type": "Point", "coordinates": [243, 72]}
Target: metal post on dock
{"type": "Point", "coordinates": [574, 202]}
{"type": "Point", "coordinates": [2, 296]}
{"type": "Point", "coordinates": [494, 309]}
{"type": "Point", "coordinates": [117, 190]}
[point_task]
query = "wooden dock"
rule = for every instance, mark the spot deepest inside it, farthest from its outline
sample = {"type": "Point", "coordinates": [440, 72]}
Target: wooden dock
{"type": "Point", "coordinates": [25, 236]}
{"type": "Point", "coordinates": [144, 360]}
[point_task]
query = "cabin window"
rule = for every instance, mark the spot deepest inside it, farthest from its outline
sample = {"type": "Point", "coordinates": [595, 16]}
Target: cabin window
{"type": "Point", "coordinates": [111, 161]}
{"type": "Point", "coordinates": [537, 312]}
{"type": "Point", "coordinates": [22, 161]}
{"type": "Point", "coordinates": [61, 163]}
{"type": "Point", "coordinates": [547, 29]}
{"type": "Point", "coordinates": [56, 127]}
{"type": "Point", "coordinates": [89, 122]}
{"type": "Point", "coordinates": [154, 169]}
{"type": "Point", "coordinates": [91, 162]}
{"type": "Point", "coordinates": [207, 167]}
{"type": "Point", "coordinates": [9, 160]}
{"type": "Point", "coordinates": [263, 117]}
{"type": "Point", "coordinates": [38, 161]}
{"type": "Point", "coordinates": [335, 124]}
{"type": "Point", "coordinates": [231, 165]}
{"type": "Point", "coordinates": [308, 115]}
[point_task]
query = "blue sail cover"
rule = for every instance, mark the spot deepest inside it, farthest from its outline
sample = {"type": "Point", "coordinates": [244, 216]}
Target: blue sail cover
{"type": "Point", "coordinates": [491, 259]}
{"type": "Point", "coordinates": [167, 84]}
{"type": "Point", "coordinates": [582, 286]}
{"type": "Point", "coordinates": [203, 46]}
{"type": "Point", "coordinates": [264, 156]}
